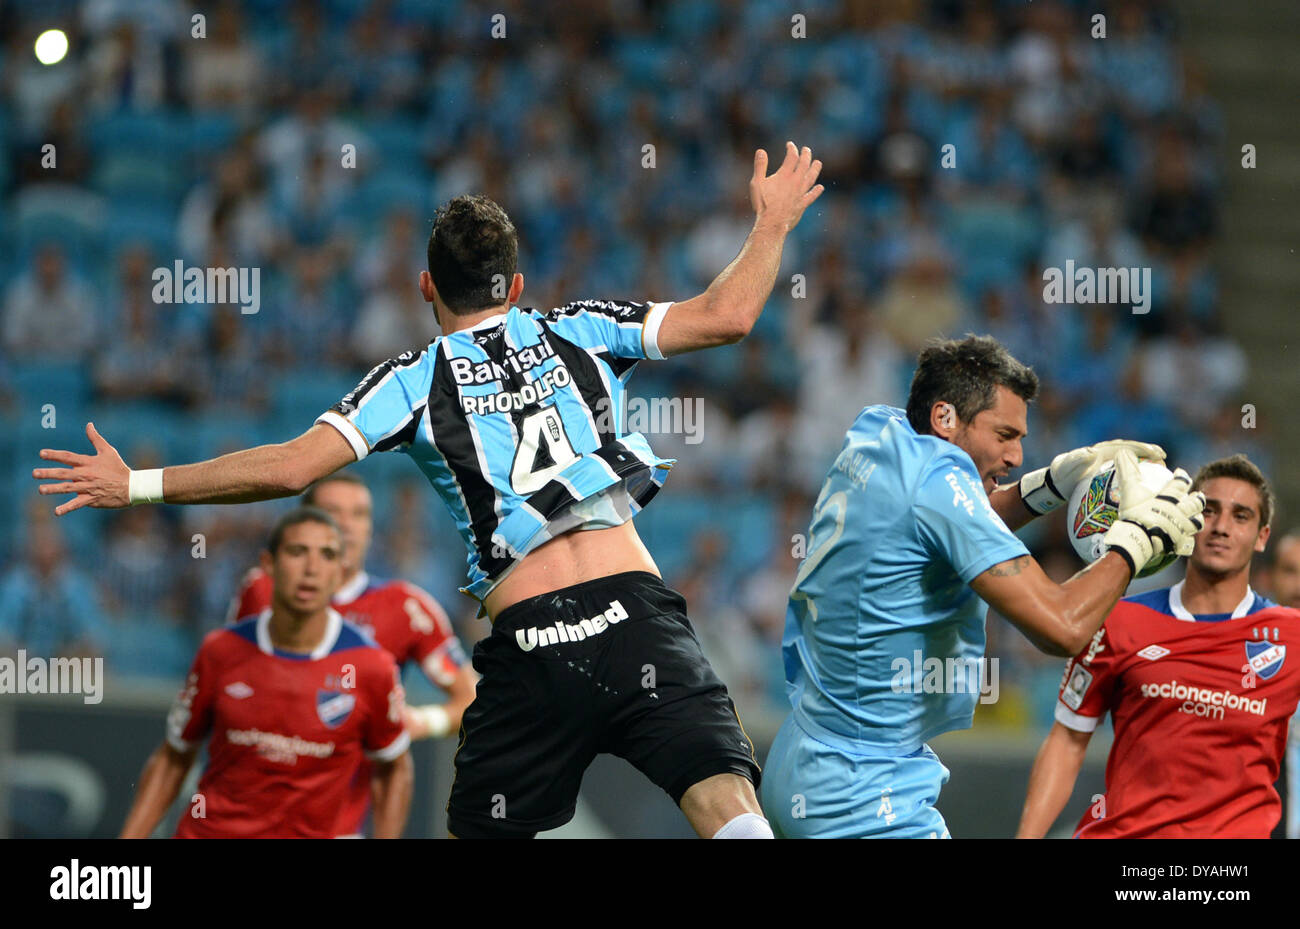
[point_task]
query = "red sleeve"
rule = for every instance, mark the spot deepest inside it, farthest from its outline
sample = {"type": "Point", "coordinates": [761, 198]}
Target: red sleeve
{"type": "Point", "coordinates": [433, 641]}
{"type": "Point", "coordinates": [1089, 683]}
{"type": "Point", "coordinates": [385, 736]}
{"type": "Point", "coordinates": [190, 718]}
{"type": "Point", "coordinates": [253, 597]}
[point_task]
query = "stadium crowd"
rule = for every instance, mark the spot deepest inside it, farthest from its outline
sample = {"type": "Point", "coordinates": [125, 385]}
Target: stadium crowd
{"type": "Point", "coordinates": [312, 142]}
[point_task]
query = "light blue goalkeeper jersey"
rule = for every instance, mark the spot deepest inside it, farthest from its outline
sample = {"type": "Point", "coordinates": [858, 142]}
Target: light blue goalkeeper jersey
{"type": "Point", "coordinates": [901, 527]}
{"type": "Point", "coordinates": [518, 423]}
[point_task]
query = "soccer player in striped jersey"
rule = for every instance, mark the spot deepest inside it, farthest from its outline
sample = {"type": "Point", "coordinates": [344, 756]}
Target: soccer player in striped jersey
{"type": "Point", "coordinates": [291, 701]}
{"type": "Point", "coordinates": [1200, 683]}
{"type": "Point", "coordinates": [515, 417]}
{"type": "Point", "coordinates": [403, 619]}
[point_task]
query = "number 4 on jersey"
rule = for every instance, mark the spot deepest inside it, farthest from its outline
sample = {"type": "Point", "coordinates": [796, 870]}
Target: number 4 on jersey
{"type": "Point", "coordinates": [544, 451]}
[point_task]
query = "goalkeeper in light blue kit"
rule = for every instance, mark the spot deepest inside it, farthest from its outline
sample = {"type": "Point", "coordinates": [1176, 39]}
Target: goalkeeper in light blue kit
{"type": "Point", "coordinates": [910, 533]}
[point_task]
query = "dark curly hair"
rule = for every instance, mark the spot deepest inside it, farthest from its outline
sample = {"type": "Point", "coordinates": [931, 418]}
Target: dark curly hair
{"type": "Point", "coordinates": [965, 373]}
{"type": "Point", "coordinates": [473, 250]}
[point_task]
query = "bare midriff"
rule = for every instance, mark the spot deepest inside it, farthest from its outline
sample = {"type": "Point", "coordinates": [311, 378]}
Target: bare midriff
{"type": "Point", "coordinates": [572, 558]}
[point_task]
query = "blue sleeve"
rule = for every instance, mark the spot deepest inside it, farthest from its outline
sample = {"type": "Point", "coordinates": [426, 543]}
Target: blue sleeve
{"type": "Point", "coordinates": [625, 329]}
{"type": "Point", "coordinates": [956, 522]}
{"type": "Point", "coordinates": [384, 410]}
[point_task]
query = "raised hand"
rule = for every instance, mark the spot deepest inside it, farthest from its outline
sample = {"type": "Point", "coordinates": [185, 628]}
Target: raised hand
{"type": "Point", "coordinates": [782, 197]}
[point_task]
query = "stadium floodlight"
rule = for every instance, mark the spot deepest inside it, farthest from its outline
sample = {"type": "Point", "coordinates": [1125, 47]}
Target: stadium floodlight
{"type": "Point", "coordinates": [51, 46]}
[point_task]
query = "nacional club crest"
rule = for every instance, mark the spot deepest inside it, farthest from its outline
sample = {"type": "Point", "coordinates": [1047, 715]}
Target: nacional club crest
{"type": "Point", "coordinates": [1265, 658]}
{"type": "Point", "coordinates": [1098, 508]}
{"type": "Point", "coordinates": [333, 707]}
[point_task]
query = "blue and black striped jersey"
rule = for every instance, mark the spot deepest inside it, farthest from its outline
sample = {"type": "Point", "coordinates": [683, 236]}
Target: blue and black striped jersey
{"type": "Point", "coordinates": [517, 424]}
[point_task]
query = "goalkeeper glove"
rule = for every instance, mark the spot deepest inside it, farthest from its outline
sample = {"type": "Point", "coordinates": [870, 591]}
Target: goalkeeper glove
{"type": "Point", "coordinates": [1048, 488]}
{"type": "Point", "coordinates": [1149, 525]}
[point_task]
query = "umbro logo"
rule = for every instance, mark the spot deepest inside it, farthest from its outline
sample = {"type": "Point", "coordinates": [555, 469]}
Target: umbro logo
{"type": "Point", "coordinates": [239, 690]}
{"type": "Point", "coordinates": [1153, 652]}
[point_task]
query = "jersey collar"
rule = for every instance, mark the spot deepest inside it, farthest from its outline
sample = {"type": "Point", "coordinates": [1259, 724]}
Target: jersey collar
{"type": "Point", "coordinates": [493, 320]}
{"type": "Point", "coordinates": [352, 589]}
{"type": "Point", "coordinates": [333, 626]}
{"type": "Point", "coordinates": [1180, 612]}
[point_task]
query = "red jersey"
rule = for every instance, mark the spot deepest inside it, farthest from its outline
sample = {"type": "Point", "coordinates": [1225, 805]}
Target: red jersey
{"type": "Point", "coordinates": [405, 621]}
{"type": "Point", "coordinates": [1200, 706]}
{"type": "Point", "coordinates": [287, 731]}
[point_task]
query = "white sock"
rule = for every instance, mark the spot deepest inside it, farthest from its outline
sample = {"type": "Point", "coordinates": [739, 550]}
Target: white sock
{"type": "Point", "coordinates": [745, 826]}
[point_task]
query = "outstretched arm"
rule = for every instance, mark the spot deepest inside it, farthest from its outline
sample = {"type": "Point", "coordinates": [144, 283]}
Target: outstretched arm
{"type": "Point", "coordinates": [103, 480]}
{"type": "Point", "coordinates": [727, 311]}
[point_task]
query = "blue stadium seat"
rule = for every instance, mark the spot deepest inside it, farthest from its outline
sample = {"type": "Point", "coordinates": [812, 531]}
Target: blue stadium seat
{"type": "Point", "coordinates": [149, 646]}
{"type": "Point", "coordinates": [208, 133]}
{"type": "Point", "coordinates": [128, 223]}
{"type": "Point", "coordinates": [396, 145]}
{"type": "Point", "coordinates": [132, 177]}
{"type": "Point", "coordinates": [72, 216]}
{"type": "Point", "coordinates": [65, 385]}
{"type": "Point", "coordinates": [300, 396]}
{"type": "Point", "coordinates": [145, 134]}
{"type": "Point", "coordinates": [992, 240]}
{"type": "Point", "coordinates": [386, 190]}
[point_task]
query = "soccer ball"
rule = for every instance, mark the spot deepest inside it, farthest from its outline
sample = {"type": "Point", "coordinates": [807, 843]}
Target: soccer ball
{"type": "Point", "coordinates": [1095, 504]}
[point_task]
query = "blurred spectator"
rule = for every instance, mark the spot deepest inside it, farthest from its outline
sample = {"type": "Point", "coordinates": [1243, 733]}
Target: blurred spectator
{"type": "Point", "coordinates": [1177, 212]}
{"type": "Point", "coordinates": [310, 329]}
{"type": "Point", "coordinates": [49, 314]}
{"type": "Point", "coordinates": [47, 605]}
{"type": "Point", "coordinates": [141, 361]}
{"type": "Point", "coordinates": [139, 565]}
{"type": "Point", "coordinates": [126, 69]}
{"type": "Point", "coordinates": [231, 212]}
{"type": "Point", "coordinates": [395, 318]}
{"type": "Point", "coordinates": [225, 70]}
{"type": "Point", "coordinates": [1193, 372]}
{"type": "Point", "coordinates": [846, 364]}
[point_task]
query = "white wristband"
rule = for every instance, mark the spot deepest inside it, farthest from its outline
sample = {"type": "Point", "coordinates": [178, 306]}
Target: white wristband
{"type": "Point", "coordinates": [435, 720]}
{"type": "Point", "coordinates": [145, 486]}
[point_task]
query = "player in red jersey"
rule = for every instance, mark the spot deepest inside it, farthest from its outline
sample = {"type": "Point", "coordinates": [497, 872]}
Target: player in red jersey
{"type": "Point", "coordinates": [403, 619]}
{"type": "Point", "coordinates": [292, 700]}
{"type": "Point", "coordinates": [1200, 690]}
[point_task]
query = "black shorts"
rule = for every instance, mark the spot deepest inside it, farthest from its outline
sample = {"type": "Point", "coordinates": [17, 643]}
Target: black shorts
{"type": "Point", "coordinates": [611, 665]}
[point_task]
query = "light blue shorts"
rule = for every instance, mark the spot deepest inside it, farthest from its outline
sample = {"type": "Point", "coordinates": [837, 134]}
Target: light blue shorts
{"type": "Point", "coordinates": [812, 790]}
